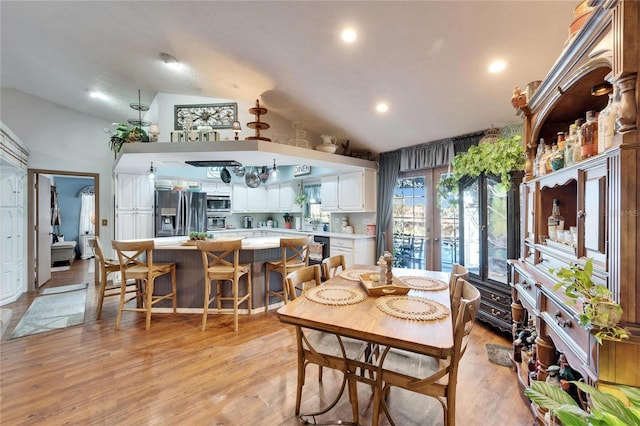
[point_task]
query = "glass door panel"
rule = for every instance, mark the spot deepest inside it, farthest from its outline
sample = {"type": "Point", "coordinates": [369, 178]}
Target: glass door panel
{"type": "Point", "coordinates": [471, 230]}
{"type": "Point", "coordinates": [496, 231]}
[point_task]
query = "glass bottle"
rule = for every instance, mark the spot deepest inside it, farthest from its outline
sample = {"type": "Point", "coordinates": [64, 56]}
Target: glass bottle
{"type": "Point", "coordinates": [569, 145]}
{"type": "Point", "coordinates": [603, 119]}
{"type": "Point", "coordinates": [555, 223]}
{"type": "Point", "coordinates": [577, 149]}
{"type": "Point", "coordinates": [538, 161]}
{"type": "Point", "coordinates": [546, 159]}
{"type": "Point", "coordinates": [589, 132]}
{"type": "Point", "coordinates": [557, 160]}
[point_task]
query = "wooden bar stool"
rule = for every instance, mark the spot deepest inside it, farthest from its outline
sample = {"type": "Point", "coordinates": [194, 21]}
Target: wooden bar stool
{"type": "Point", "coordinates": [106, 267]}
{"type": "Point", "coordinates": [217, 267]}
{"type": "Point", "coordinates": [136, 262]}
{"type": "Point", "coordinates": [295, 255]}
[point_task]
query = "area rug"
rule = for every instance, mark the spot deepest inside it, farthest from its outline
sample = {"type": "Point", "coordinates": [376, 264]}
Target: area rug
{"type": "Point", "coordinates": [499, 354]}
{"type": "Point", "coordinates": [60, 268]}
{"type": "Point", "coordinates": [54, 311]}
{"type": "Point", "coordinates": [63, 289]}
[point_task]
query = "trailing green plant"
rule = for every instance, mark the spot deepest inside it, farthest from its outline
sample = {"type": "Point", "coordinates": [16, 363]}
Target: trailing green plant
{"type": "Point", "coordinates": [126, 133]}
{"type": "Point", "coordinates": [447, 190]}
{"type": "Point", "coordinates": [599, 310]}
{"type": "Point", "coordinates": [499, 158]}
{"type": "Point", "coordinates": [301, 199]}
{"type": "Point", "coordinates": [604, 408]}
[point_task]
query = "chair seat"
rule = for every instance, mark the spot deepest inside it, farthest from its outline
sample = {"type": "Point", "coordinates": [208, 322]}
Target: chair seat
{"type": "Point", "coordinates": [158, 268]}
{"type": "Point", "coordinates": [327, 343]}
{"type": "Point", "coordinates": [290, 265]}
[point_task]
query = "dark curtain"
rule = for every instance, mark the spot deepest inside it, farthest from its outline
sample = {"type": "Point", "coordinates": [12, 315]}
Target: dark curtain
{"type": "Point", "coordinates": [387, 177]}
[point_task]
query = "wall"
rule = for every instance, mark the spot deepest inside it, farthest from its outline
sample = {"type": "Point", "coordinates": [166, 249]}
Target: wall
{"type": "Point", "coordinates": [70, 202]}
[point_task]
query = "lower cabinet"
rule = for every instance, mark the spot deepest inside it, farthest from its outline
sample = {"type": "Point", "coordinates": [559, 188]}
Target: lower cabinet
{"type": "Point", "coordinates": [355, 251]}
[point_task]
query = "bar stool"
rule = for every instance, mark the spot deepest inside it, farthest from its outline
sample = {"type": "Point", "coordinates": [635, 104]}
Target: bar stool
{"type": "Point", "coordinates": [295, 255]}
{"type": "Point", "coordinates": [132, 255]}
{"type": "Point", "coordinates": [217, 267]}
{"type": "Point", "coordinates": [106, 267]}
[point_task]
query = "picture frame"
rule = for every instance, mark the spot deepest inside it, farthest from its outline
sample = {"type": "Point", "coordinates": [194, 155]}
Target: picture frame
{"type": "Point", "coordinates": [216, 116]}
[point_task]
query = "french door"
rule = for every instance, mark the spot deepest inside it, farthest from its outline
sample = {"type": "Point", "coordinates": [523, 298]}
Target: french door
{"type": "Point", "coordinates": [425, 231]}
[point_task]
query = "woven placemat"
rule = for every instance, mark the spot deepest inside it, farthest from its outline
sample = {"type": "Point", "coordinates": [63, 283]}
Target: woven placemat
{"type": "Point", "coordinates": [424, 283]}
{"type": "Point", "coordinates": [411, 307]}
{"type": "Point", "coordinates": [354, 274]}
{"type": "Point", "coordinates": [335, 295]}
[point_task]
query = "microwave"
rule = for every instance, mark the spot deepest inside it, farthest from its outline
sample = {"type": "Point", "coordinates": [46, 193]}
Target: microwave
{"type": "Point", "coordinates": [218, 203]}
{"type": "Point", "coordinates": [215, 223]}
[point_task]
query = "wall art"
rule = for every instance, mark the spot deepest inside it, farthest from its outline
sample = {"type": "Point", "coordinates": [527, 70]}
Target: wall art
{"type": "Point", "coordinates": [216, 116]}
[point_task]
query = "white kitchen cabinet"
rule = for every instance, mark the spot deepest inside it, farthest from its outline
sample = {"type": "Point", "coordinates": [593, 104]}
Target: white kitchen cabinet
{"type": "Point", "coordinates": [134, 206]}
{"type": "Point", "coordinates": [257, 199]}
{"type": "Point", "coordinates": [350, 192]}
{"type": "Point", "coordinates": [238, 198]}
{"type": "Point", "coordinates": [280, 197]}
{"type": "Point", "coordinates": [216, 188]}
{"type": "Point", "coordinates": [329, 193]}
{"type": "Point", "coordinates": [13, 227]}
{"type": "Point", "coordinates": [273, 198]}
{"type": "Point", "coordinates": [359, 251]}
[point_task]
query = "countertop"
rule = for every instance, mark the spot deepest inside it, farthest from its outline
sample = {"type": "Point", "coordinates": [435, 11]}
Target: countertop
{"type": "Point", "coordinates": [294, 232]}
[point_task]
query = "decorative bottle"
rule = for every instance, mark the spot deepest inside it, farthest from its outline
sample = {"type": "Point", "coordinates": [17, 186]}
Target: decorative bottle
{"type": "Point", "coordinates": [589, 131]}
{"type": "Point", "coordinates": [555, 223]}
{"type": "Point", "coordinates": [557, 160]}
{"type": "Point", "coordinates": [569, 145]}
{"type": "Point", "coordinates": [577, 149]}
{"type": "Point", "coordinates": [607, 124]}
{"type": "Point", "coordinates": [546, 159]}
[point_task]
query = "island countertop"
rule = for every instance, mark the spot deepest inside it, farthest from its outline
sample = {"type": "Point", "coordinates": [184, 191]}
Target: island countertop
{"type": "Point", "coordinates": [248, 243]}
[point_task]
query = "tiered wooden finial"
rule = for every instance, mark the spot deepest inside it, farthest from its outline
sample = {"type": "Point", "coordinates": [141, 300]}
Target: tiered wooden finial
{"type": "Point", "coordinates": [258, 125]}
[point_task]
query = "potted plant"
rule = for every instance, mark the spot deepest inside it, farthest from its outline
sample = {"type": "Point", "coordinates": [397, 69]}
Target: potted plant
{"type": "Point", "coordinates": [604, 409]}
{"type": "Point", "coordinates": [499, 158]}
{"type": "Point", "coordinates": [287, 220]}
{"type": "Point", "coordinates": [301, 199]}
{"type": "Point", "coordinates": [126, 133]}
{"type": "Point", "coordinates": [599, 311]}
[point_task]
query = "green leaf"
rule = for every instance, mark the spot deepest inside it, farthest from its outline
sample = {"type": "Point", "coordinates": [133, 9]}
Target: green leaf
{"type": "Point", "coordinates": [632, 394]}
{"type": "Point", "coordinates": [607, 403]}
{"type": "Point", "coordinates": [548, 396]}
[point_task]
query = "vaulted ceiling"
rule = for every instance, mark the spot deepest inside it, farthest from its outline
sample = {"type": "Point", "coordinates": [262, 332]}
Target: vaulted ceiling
{"type": "Point", "coordinates": [426, 59]}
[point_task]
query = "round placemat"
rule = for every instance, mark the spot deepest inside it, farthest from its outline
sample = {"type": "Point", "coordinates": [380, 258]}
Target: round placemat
{"type": "Point", "coordinates": [354, 274]}
{"type": "Point", "coordinates": [335, 295]}
{"type": "Point", "coordinates": [411, 307]}
{"type": "Point", "coordinates": [424, 283]}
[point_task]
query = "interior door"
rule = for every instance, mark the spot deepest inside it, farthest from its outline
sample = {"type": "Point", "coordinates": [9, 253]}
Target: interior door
{"type": "Point", "coordinates": [43, 230]}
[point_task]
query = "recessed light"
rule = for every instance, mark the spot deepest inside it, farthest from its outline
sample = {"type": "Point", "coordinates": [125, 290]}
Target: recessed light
{"type": "Point", "coordinates": [382, 107]}
{"type": "Point", "coordinates": [497, 66]}
{"type": "Point", "coordinates": [348, 35]}
{"type": "Point", "coordinates": [98, 95]}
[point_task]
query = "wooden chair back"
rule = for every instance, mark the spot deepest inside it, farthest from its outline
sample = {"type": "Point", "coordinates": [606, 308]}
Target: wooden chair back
{"type": "Point", "coordinates": [135, 257]}
{"type": "Point", "coordinates": [457, 271]}
{"type": "Point", "coordinates": [215, 257]}
{"type": "Point", "coordinates": [333, 265]}
{"type": "Point", "coordinates": [295, 251]}
{"type": "Point", "coordinates": [303, 278]}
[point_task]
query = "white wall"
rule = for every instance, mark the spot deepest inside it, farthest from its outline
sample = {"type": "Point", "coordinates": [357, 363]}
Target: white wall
{"type": "Point", "coordinates": [61, 139]}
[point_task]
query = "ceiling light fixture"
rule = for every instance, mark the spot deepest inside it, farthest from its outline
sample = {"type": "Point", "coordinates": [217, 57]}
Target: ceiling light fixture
{"type": "Point", "coordinates": [348, 35]}
{"type": "Point", "coordinates": [151, 173]}
{"type": "Point", "coordinates": [602, 89]}
{"type": "Point", "coordinates": [236, 129]}
{"type": "Point", "coordinates": [497, 66]}
{"type": "Point", "coordinates": [169, 60]}
{"type": "Point", "coordinates": [98, 95]}
{"type": "Point", "coordinates": [382, 107]}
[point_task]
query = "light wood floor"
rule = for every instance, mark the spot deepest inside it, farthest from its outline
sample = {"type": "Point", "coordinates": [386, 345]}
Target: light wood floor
{"type": "Point", "coordinates": [175, 374]}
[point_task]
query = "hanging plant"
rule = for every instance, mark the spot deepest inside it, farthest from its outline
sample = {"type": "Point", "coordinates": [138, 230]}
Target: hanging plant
{"type": "Point", "coordinates": [447, 190]}
{"type": "Point", "coordinates": [499, 158]}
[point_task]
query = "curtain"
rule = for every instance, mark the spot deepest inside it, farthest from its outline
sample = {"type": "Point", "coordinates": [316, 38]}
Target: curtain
{"type": "Point", "coordinates": [87, 215]}
{"type": "Point", "coordinates": [387, 177]}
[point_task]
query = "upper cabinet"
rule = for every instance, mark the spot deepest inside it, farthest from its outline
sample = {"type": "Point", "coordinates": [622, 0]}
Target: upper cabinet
{"type": "Point", "coordinates": [349, 192]}
{"type": "Point", "coordinates": [597, 197]}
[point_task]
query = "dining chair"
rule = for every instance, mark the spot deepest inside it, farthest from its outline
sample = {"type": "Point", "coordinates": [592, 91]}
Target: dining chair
{"type": "Point", "coordinates": [457, 271]}
{"type": "Point", "coordinates": [319, 347]}
{"type": "Point", "coordinates": [136, 262]}
{"type": "Point", "coordinates": [333, 265]}
{"type": "Point", "coordinates": [220, 268]}
{"type": "Point", "coordinates": [427, 375]}
{"type": "Point", "coordinates": [295, 255]}
{"type": "Point", "coordinates": [108, 288]}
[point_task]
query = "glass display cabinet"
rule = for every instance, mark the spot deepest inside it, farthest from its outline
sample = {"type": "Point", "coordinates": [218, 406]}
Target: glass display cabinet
{"type": "Point", "coordinates": [489, 235]}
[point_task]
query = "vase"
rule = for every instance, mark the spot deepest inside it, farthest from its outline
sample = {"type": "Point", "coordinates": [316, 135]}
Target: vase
{"type": "Point", "coordinates": [287, 225]}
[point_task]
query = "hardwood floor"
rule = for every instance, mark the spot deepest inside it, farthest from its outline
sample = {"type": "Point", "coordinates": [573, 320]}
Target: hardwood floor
{"type": "Point", "coordinates": [176, 374]}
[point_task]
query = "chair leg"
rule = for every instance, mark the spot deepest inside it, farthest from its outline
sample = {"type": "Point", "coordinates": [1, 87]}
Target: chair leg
{"type": "Point", "coordinates": [234, 285]}
{"type": "Point", "coordinates": [301, 369]}
{"type": "Point", "coordinates": [174, 289]}
{"type": "Point", "coordinates": [148, 303]}
{"type": "Point", "coordinates": [285, 292]}
{"type": "Point", "coordinates": [353, 398]}
{"type": "Point", "coordinates": [266, 287]}
{"type": "Point", "coordinates": [205, 309]}
{"type": "Point", "coordinates": [103, 285]}
{"type": "Point", "coordinates": [249, 290]}
{"type": "Point", "coordinates": [123, 291]}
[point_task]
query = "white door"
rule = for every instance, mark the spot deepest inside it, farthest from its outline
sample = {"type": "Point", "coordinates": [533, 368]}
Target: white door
{"type": "Point", "coordinates": [43, 233]}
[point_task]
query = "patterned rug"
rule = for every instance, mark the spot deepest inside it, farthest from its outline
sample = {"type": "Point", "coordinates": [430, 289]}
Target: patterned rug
{"type": "Point", "coordinates": [499, 354]}
{"type": "Point", "coordinates": [53, 311]}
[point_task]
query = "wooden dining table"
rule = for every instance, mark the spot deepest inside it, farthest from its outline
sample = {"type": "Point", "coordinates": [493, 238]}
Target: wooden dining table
{"type": "Point", "coordinates": [367, 322]}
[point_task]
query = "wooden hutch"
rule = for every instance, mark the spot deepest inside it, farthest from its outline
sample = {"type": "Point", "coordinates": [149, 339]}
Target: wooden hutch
{"type": "Point", "coordinates": [600, 196]}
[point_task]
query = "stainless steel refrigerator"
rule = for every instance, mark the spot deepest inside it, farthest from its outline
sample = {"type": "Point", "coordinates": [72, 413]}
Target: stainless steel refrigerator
{"type": "Point", "coordinates": [180, 212]}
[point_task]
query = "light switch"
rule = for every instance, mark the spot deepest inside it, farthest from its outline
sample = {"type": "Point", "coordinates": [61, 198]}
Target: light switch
{"type": "Point", "coordinates": [104, 222]}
